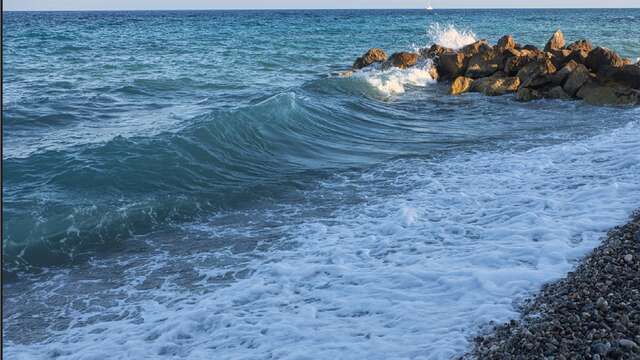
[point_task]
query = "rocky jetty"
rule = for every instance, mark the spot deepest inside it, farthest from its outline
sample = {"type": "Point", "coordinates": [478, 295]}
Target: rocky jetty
{"type": "Point", "coordinates": [577, 70]}
{"type": "Point", "coordinates": [594, 313]}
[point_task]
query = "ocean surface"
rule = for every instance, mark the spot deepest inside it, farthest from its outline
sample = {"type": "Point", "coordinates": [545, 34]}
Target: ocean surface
{"type": "Point", "coordinates": [203, 185]}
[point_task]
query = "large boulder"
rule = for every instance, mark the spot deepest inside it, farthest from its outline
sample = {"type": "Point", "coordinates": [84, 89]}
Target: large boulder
{"type": "Point", "coordinates": [561, 75]}
{"type": "Point", "coordinates": [373, 55]}
{"type": "Point", "coordinates": [608, 94]}
{"type": "Point", "coordinates": [536, 73]}
{"type": "Point", "coordinates": [475, 48]}
{"type": "Point", "coordinates": [514, 60]}
{"type": "Point", "coordinates": [628, 75]}
{"type": "Point", "coordinates": [452, 64]}
{"type": "Point", "coordinates": [402, 60]}
{"type": "Point", "coordinates": [600, 57]}
{"type": "Point", "coordinates": [496, 85]}
{"type": "Point", "coordinates": [557, 92]}
{"type": "Point", "coordinates": [527, 94]}
{"type": "Point", "coordinates": [506, 42]}
{"type": "Point", "coordinates": [578, 77]}
{"type": "Point", "coordinates": [484, 63]}
{"type": "Point", "coordinates": [556, 42]}
{"type": "Point", "coordinates": [460, 85]}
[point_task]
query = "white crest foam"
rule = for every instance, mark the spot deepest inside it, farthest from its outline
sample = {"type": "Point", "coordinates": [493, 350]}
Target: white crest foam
{"type": "Point", "coordinates": [449, 36]}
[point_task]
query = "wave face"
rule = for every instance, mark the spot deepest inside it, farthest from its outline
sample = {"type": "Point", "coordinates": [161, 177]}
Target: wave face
{"type": "Point", "coordinates": [202, 186]}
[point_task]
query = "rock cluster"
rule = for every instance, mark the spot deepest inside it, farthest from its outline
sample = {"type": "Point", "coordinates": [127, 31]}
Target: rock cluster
{"type": "Point", "coordinates": [597, 75]}
{"type": "Point", "coordinates": [594, 313]}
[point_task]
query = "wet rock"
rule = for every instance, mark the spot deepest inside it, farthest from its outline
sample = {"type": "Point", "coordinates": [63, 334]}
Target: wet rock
{"type": "Point", "coordinates": [600, 57]}
{"type": "Point", "coordinates": [578, 77]}
{"type": "Point", "coordinates": [561, 75]}
{"type": "Point", "coordinates": [556, 42]}
{"type": "Point", "coordinates": [434, 51]}
{"type": "Point", "coordinates": [528, 94]}
{"type": "Point", "coordinates": [452, 64]}
{"type": "Point", "coordinates": [461, 85]}
{"type": "Point", "coordinates": [496, 85]}
{"type": "Point", "coordinates": [628, 75]}
{"type": "Point", "coordinates": [557, 92]}
{"type": "Point", "coordinates": [402, 60]}
{"type": "Point", "coordinates": [373, 55]}
{"type": "Point", "coordinates": [484, 64]}
{"type": "Point", "coordinates": [628, 258]}
{"type": "Point", "coordinates": [608, 94]}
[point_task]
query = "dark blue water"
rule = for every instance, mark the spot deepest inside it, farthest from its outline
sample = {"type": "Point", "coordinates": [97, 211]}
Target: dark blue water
{"type": "Point", "coordinates": [151, 154]}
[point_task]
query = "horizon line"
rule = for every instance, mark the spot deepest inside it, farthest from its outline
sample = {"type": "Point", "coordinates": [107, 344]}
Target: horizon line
{"type": "Point", "coordinates": [316, 9]}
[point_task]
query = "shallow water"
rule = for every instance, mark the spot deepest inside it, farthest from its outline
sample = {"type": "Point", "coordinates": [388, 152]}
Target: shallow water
{"type": "Point", "coordinates": [198, 183]}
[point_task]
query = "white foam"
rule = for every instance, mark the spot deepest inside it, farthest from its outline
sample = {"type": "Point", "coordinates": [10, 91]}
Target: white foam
{"type": "Point", "coordinates": [394, 80]}
{"type": "Point", "coordinates": [407, 275]}
{"type": "Point", "coordinates": [449, 36]}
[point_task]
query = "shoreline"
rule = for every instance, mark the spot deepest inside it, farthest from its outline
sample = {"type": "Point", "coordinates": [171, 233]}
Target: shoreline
{"type": "Point", "coordinates": [592, 313]}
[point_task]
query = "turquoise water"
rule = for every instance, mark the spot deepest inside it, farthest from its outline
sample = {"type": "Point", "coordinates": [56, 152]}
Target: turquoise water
{"type": "Point", "coordinates": [171, 175]}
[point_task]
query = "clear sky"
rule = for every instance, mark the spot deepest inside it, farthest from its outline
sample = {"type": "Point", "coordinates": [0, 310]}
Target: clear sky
{"type": "Point", "coordinates": [292, 4]}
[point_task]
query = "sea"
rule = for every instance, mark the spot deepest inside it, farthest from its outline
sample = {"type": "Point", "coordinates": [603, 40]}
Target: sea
{"type": "Point", "coordinates": [209, 185]}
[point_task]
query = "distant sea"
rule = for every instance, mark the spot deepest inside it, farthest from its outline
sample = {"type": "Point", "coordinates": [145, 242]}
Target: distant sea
{"type": "Point", "coordinates": [202, 184]}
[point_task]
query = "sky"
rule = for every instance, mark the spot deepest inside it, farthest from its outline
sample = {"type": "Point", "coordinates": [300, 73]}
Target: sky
{"type": "Point", "coordinates": [293, 4]}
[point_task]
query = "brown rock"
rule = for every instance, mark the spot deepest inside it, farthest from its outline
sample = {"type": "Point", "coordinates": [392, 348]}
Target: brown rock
{"type": "Point", "coordinates": [433, 72]}
{"type": "Point", "coordinates": [628, 75]}
{"type": "Point", "coordinates": [531, 48]}
{"type": "Point", "coordinates": [513, 64]}
{"type": "Point", "coordinates": [527, 94]}
{"type": "Point", "coordinates": [600, 57]}
{"type": "Point", "coordinates": [401, 60]}
{"type": "Point", "coordinates": [506, 42]}
{"type": "Point", "coordinates": [496, 85]}
{"type": "Point", "coordinates": [561, 75]}
{"type": "Point", "coordinates": [579, 56]}
{"type": "Point", "coordinates": [581, 45]}
{"type": "Point", "coordinates": [536, 73]}
{"type": "Point", "coordinates": [556, 42]}
{"type": "Point", "coordinates": [434, 51]}
{"type": "Point", "coordinates": [452, 64]}
{"type": "Point", "coordinates": [475, 48]}
{"type": "Point", "coordinates": [484, 64]}
{"type": "Point", "coordinates": [608, 94]}
{"type": "Point", "coordinates": [461, 85]}
{"type": "Point", "coordinates": [371, 56]}
{"type": "Point", "coordinates": [578, 77]}
{"type": "Point", "coordinates": [560, 57]}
